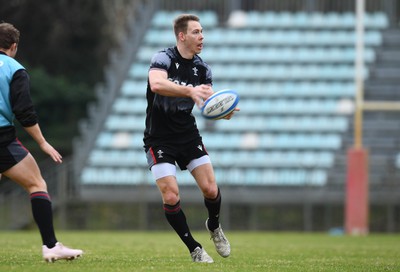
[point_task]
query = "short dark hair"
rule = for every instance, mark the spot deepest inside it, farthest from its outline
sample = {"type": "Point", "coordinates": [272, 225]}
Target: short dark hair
{"type": "Point", "coordinates": [8, 35]}
{"type": "Point", "coordinates": [181, 22]}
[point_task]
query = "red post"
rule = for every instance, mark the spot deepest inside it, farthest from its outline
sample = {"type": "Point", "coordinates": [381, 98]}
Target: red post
{"type": "Point", "coordinates": [356, 213]}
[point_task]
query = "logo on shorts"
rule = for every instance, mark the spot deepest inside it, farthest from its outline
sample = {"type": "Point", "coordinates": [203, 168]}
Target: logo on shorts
{"type": "Point", "coordinates": [160, 152]}
{"type": "Point", "coordinates": [200, 147]}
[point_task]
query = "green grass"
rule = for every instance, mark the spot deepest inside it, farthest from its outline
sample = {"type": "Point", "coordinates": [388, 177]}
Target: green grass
{"type": "Point", "coordinates": [163, 251]}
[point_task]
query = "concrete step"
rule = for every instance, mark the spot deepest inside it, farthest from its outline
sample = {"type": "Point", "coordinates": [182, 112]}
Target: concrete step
{"type": "Point", "coordinates": [382, 93]}
{"type": "Point", "coordinates": [385, 73]}
{"type": "Point", "coordinates": [391, 37]}
{"type": "Point", "coordinates": [389, 55]}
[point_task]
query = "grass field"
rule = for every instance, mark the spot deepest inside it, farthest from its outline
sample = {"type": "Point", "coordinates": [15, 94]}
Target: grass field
{"type": "Point", "coordinates": [163, 251]}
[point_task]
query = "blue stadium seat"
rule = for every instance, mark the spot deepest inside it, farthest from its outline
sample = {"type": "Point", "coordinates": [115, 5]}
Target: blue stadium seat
{"type": "Point", "coordinates": [313, 141]}
{"type": "Point", "coordinates": [164, 19]}
{"type": "Point", "coordinates": [103, 139]}
{"type": "Point", "coordinates": [262, 123]}
{"type": "Point", "coordinates": [303, 89]}
{"type": "Point", "coordinates": [280, 55]}
{"type": "Point", "coordinates": [118, 158]}
{"type": "Point", "coordinates": [315, 20]}
{"type": "Point", "coordinates": [377, 20]}
{"type": "Point", "coordinates": [130, 106]}
{"type": "Point", "coordinates": [139, 71]}
{"type": "Point", "coordinates": [118, 176]}
{"type": "Point", "coordinates": [284, 72]}
{"type": "Point", "coordinates": [217, 141]}
{"type": "Point", "coordinates": [124, 123]}
{"type": "Point", "coordinates": [161, 38]}
{"type": "Point", "coordinates": [112, 139]}
{"type": "Point", "coordinates": [276, 159]}
{"type": "Point", "coordinates": [133, 88]}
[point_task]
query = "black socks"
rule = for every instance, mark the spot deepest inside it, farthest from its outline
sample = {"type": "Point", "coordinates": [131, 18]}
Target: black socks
{"type": "Point", "coordinates": [43, 215]}
{"type": "Point", "coordinates": [177, 220]}
{"type": "Point", "coordinates": [213, 207]}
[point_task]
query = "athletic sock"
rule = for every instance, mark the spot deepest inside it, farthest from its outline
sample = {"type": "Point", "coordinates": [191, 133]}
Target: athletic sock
{"type": "Point", "coordinates": [43, 215]}
{"type": "Point", "coordinates": [177, 219]}
{"type": "Point", "coordinates": [213, 206]}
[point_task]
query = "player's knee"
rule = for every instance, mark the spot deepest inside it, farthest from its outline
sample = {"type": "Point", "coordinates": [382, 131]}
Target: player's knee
{"type": "Point", "coordinates": [36, 185]}
{"type": "Point", "coordinates": [170, 198]}
{"type": "Point", "coordinates": [210, 191]}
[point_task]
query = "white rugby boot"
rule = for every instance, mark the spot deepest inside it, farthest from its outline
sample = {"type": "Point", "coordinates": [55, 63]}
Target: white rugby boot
{"type": "Point", "coordinates": [60, 252]}
{"type": "Point", "coordinates": [199, 255]}
{"type": "Point", "coordinates": [221, 243]}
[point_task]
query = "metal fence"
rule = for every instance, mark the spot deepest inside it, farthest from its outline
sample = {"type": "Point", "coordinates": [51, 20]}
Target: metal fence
{"type": "Point", "coordinates": [15, 207]}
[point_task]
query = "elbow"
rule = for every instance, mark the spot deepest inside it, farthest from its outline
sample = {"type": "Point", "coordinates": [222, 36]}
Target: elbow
{"type": "Point", "coordinates": [27, 119]}
{"type": "Point", "coordinates": [155, 87]}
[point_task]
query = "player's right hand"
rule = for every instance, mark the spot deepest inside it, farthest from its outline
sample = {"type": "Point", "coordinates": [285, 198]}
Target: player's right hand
{"type": "Point", "coordinates": [200, 94]}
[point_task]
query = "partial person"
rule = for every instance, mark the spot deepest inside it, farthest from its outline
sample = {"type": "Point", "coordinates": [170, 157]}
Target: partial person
{"type": "Point", "coordinates": [178, 79]}
{"type": "Point", "coordinates": [16, 162]}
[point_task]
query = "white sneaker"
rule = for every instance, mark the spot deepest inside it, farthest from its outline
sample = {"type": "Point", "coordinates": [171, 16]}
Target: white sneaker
{"type": "Point", "coordinates": [221, 243]}
{"type": "Point", "coordinates": [199, 255]}
{"type": "Point", "coordinates": [60, 252]}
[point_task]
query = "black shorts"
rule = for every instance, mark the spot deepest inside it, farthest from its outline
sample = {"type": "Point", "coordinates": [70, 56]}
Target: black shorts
{"type": "Point", "coordinates": [180, 154]}
{"type": "Point", "coordinates": [11, 154]}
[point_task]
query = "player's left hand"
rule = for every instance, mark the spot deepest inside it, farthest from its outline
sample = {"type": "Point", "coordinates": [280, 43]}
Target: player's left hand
{"type": "Point", "coordinates": [229, 116]}
{"type": "Point", "coordinates": [49, 150]}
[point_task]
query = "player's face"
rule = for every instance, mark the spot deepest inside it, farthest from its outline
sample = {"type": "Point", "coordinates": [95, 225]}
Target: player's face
{"type": "Point", "coordinates": [194, 37]}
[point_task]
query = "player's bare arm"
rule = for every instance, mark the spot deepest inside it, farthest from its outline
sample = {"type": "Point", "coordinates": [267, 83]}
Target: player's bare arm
{"type": "Point", "coordinates": [35, 132]}
{"type": "Point", "coordinates": [160, 84]}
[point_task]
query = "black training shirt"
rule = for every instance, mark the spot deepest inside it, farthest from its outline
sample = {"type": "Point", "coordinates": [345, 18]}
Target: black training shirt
{"type": "Point", "coordinates": [170, 119]}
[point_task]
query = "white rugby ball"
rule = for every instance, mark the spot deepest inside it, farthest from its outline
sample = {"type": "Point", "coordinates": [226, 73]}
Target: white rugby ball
{"type": "Point", "coordinates": [220, 104]}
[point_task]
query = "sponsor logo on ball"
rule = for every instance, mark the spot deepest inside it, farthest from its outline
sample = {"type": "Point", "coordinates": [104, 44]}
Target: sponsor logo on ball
{"type": "Point", "coordinates": [220, 105]}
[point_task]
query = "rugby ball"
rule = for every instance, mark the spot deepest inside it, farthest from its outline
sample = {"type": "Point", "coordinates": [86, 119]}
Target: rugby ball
{"type": "Point", "coordinates": [220, 104]}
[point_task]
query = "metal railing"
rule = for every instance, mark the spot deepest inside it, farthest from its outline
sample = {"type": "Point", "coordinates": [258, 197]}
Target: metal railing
{"type": "Point", "coordinates": [15, 207]}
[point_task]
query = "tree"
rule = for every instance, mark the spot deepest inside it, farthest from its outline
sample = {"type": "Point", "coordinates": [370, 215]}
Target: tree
{"type": "Point", "coordinates": [64, 45]}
